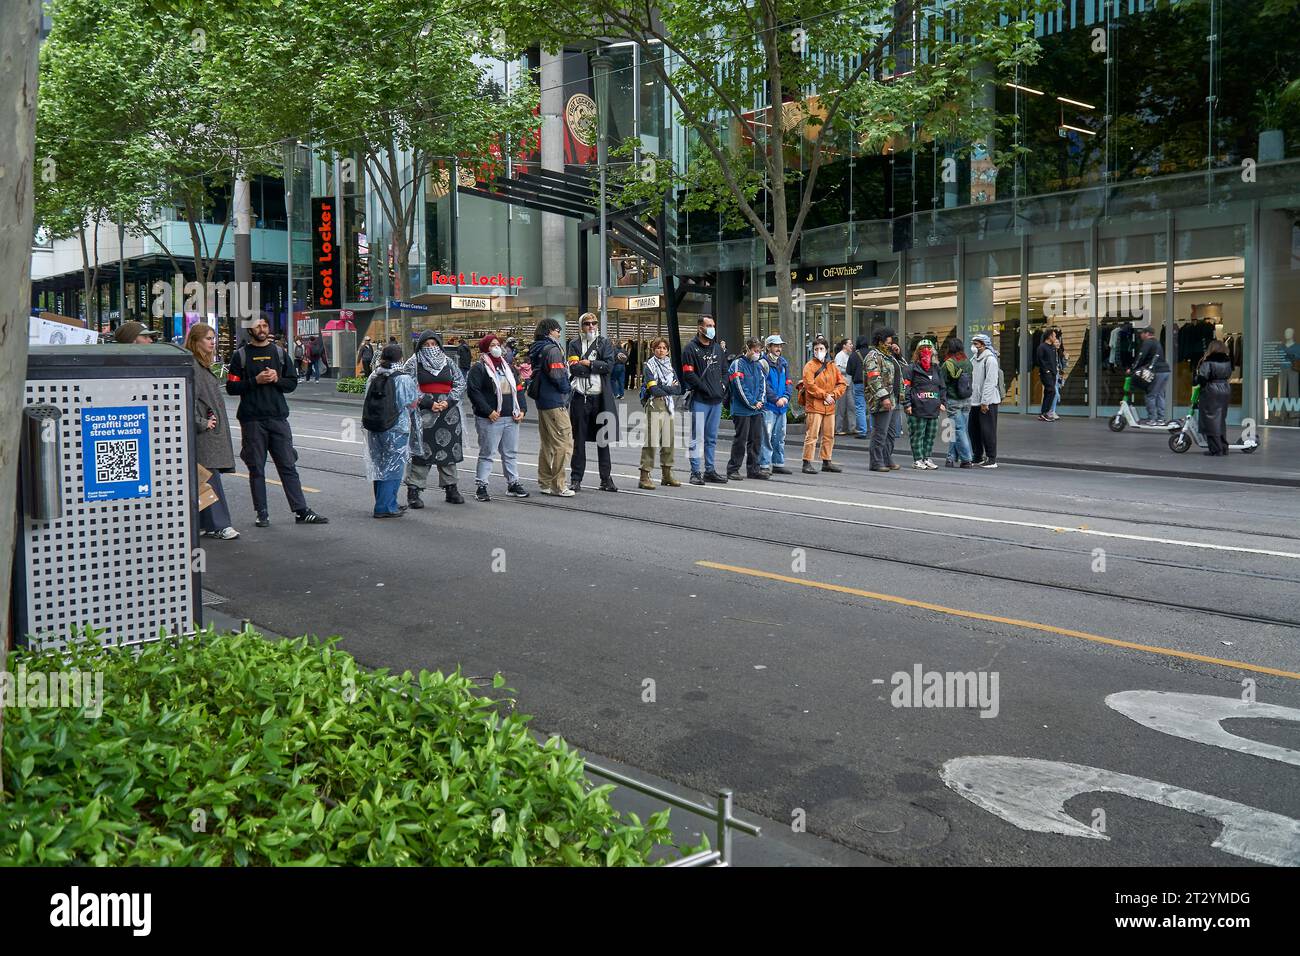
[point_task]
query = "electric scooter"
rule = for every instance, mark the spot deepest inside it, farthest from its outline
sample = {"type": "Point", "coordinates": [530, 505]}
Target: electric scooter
{"type": "Point", "coordinates": [1127, 418]}
{"type": "Point", "coordinates": [1189, 432]}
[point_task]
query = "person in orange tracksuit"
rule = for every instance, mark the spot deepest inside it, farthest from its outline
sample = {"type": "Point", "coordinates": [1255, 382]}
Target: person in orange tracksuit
{"type": "Point", "coordinates": [821, 386]}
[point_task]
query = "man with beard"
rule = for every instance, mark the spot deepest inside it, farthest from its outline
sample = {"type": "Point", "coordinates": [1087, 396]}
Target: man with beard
{"type": "Point", "coordinates": [593, 411]}
{"type": "Point", "coordinates": [441, 385]}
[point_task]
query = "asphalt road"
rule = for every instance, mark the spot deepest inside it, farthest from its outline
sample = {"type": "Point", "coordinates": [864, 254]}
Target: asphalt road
{"type": "Point", "coordinates": [761, 636]}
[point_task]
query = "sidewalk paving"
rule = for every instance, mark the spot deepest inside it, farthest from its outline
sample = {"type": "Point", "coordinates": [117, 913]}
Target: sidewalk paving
{"type": "Point", "coordinates": [778, 845]}
{"type": "Point", "coordinates": [1072, 443]}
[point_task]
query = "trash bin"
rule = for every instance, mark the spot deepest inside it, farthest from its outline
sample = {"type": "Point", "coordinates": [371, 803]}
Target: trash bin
{"type": "Point", "coordinates": [108, 518]}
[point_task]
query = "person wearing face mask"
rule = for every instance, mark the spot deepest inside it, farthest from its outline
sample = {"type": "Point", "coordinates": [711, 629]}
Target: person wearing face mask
{"type": "Point", "coordinates": [776, 403]}
{"type": "Point", "coordinates": [498, 402]}
{"type": "Point", "coordinates": [985, 398]}
{"type": "Point", "coordinates": [659, 391]}
{"type": "Point", "coordinates": [747, 387]}
{"type": "Point", "coordinates": [441, 386]}
{"type": "Point", "coordinates": [822, 386]}
{"type": "Point", "coordinates": [593, 411]}
{"type": "Point", "coordinates": [922, 404]}
{"type": "Point", "coordinates": [883, 390]}
{"type": "Point", "coordinates": [702, 367]}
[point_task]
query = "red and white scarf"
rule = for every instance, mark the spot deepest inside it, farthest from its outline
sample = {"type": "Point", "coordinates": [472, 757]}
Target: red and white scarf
{"type": "Point", "coordinates": [491, 366]}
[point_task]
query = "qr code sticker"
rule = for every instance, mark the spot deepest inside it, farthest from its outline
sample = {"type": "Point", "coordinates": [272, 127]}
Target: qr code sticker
{"type": "Point", "coordinates": [117, 460]}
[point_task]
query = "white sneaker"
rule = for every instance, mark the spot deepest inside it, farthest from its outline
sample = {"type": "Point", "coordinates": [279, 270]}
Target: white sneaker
{"type": "Point", "coordinates": [567, 493]}
{"type": "Point", "coordinates": [543, 490]}
{"type": "Point", "coordinates": [920, 466]}
{"type": "Point", "coordinates": [929, 463]}
{"type": "Point", "coordinates": [226, 534]}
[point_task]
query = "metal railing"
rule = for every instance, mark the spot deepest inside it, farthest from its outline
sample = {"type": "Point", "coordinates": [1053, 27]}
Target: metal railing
{"type": "Point", "coordinates": [720, 814]}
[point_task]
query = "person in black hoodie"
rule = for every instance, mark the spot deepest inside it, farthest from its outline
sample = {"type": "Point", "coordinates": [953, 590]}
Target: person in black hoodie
{"type": "Point", "coordinates": [1151, 357]}
{"type": "Point", "coordinates": [1212, 375]}
{"type": "Point", "coordinates": [702, 373]}
{"type": "Point", "coordinates": [593, 410]}
{"type": "Point", "coordinates": [1045, 360]}
{"type": "Point", "coordinates": [857, 386]}
{"type": "Point", "coordinates": [923, 403]}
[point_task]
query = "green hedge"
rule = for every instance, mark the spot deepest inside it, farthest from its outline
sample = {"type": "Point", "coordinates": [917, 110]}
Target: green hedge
{"type": "Point", "coordinates": [356, 386]}
{"type": "Point", "coordinates": [232, 749]}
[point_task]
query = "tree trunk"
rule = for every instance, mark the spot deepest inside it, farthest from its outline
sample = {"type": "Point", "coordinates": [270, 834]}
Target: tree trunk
{"type": "Point", "coordinates": [19, 34]}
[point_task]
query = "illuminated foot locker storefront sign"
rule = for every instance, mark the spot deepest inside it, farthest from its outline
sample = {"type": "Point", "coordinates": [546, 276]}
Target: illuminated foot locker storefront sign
{"type": "Point", "coordinates": [107, 509]}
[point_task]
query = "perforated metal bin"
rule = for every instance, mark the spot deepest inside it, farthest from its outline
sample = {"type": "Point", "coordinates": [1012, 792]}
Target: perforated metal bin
{"type": "Point", "coordinates": [119, 550]}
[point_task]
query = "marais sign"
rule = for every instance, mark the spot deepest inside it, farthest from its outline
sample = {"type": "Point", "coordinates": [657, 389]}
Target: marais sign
{"type": "Point", "coordinates": [115, 452]}
{"type": "Point", "coordinates": [477, 303]}
{"type": "Point", "coordinates": [643, 302]}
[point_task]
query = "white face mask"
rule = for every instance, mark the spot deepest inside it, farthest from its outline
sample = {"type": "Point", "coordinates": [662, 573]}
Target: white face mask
{"type": "Point", "coordinates": [819, 354]}
{"type": "Point", "coordinates": [495, 351]}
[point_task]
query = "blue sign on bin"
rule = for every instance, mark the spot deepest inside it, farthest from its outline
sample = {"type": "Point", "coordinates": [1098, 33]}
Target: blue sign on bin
{"type": "Point", "coordinates": [115, 452]}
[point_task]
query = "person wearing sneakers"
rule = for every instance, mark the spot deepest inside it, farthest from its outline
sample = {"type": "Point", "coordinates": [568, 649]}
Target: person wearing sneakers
{"type": "Point", "coordinates": [212, 447]}
{"type": "Point", "coordinates": [261, 374]}
{"type": "Point", "coordinates": [822, 386]}
{"type": "Point", "coordinates": [659, 393]}
{"type": "Point", "coordinates": [956, 376]}
{"type": "Point", "coordinates": [703, 362]}
{"type": "Point", "coordinates": [388, 450]}
{"type": "Point", "coordinates": [985, 398]}
{"type": "Point", "coordinates": [884, 390]}
{"type": "Point", "coordinates": [923, 404]}
{"type": "Point", "coordinates": [747, 388]}
{"type": "Point", "coordinates": [549, 388]}
{"type": "Point", "coordinates": [498, 402]}
{"type": "Point", "coordinates": [776, 406]}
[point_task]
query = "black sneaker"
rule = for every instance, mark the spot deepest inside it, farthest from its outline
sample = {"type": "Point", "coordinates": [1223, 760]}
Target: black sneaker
{"type": "Point", "coordinates": [454, 497]}
{"type": "Point", "coordinates": [575, 485]}
{"type": "Point", "coordinates": [413, 498]}
{"type": "Point", "coordinates": [481, 493]}
{"type": "Point", "coordinates": [310, 517]}
{"type": "Point", "coordinates": [697, 478]}
{"type": "Point", "coordinates": [758, 476]}
{"type": "Point", "coordinates": [713, 478]}
{"type": "Point", "coordinates": [734, 476]}
{"type": "Point", "coordinates": [263, 520]}
{"type": "Point", "coordinates": [516, 491]}
{"type": "Point", "coordinates": [607, 484]}
{"type": "Point", "coordinates": [781, 470]}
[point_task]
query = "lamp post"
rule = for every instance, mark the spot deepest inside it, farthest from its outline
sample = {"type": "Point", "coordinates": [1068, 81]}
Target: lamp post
{"type": "Point", "coordinates": [600, 73]}
{"type": "Point", "coordinates": [290, 151]}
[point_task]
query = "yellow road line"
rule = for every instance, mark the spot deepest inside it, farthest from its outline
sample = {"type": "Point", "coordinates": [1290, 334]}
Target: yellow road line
{"type": "Point", "coordinates": [240, 474]}
{"type": "Point", "coordinates": [995, 619]}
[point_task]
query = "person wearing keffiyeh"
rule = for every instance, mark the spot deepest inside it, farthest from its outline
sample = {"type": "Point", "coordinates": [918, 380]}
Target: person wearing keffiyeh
{"type": "Point", "coordinates": [659, 392]}
{"type": "Point", "coordinates": [438, 440]}
{"type": "Point", "coordinates": [499, 406]}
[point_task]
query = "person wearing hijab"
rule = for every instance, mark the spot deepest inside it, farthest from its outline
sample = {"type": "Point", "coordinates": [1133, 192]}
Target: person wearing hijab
{"type": "Point", "coordinates": [498, 402]}
{"type": "Point", "coordinates": [388, 453]}
{"type": "Point", "coordinates": [660, 391]}
{"type": "Point", "coordinates": [822, 387]}
{"type": "Point", "coordinates": [441, 385]}
{"type": "Point", "coordinates": [922, 404]}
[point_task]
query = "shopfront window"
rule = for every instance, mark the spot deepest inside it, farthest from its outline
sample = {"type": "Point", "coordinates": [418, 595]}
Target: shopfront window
{"type": "Point", "coordinates": [931, 301]}
{"type": "Point", "coordinates": [1061, 298]}
{"type": "Point", "coordinates": [1279, 315]}
{"type": "Point", "coordinates": [1209, 304]}
{"type": "Point", "coordinates": [991, 286]}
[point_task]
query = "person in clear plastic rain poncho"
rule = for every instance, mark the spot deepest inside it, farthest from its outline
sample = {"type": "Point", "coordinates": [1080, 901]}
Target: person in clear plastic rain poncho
{"type": "Point", "coordinates": [389, 452]}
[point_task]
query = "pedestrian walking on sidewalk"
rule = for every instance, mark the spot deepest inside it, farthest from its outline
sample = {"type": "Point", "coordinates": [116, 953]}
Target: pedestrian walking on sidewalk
{"type": "Point", "coordinates": [776, 408]}
{"type": "Point", "coordinates": [844, 411]}
{"type": "Point", "coordinates": [823, 386]}
{"type": "Point", "coordinates": [618, 377]}
{"type": "Point", "coordinates": [499, 406]}
{"type": "Point", "coordinates": [261, 374]}
{"type": "Point", "coordinates": [212, 446]}
{"type": "Point", "coordinates": [439, 440]}
{"type": "Point", "coordinates": [923, 404]}
{"type": "Point", "coordinates": [366, 357]}
{"type": "Point", "coordinates": [1212, 374]}
{"type": "Point", "coordinates": [388, 416]}
{"type": "Point", "coordinates": [985, 398]}
{"type": "Point", "coordinates": [1046, 361]}
{"type": "Point", "coordinates": [702, 376]}
{"type": "Point", "coordinates": [300, 356]}
{"type": "Point", "coordinates": [956, 375]}
{"type": "Point", "coordinates": [660, 390]}
{"type": "Point", "coordinates": [593, 410]}
{"type": "Point", "coordinates": [549, 388]}
{"type": "Point", "coordinates": [1151, 372]}
{"type": "Point", "coordinates": [857, 388]}
{"type": "Point", "coordinates": [747, 389]}
{"type": "Point", "coordinates": [884, 395]}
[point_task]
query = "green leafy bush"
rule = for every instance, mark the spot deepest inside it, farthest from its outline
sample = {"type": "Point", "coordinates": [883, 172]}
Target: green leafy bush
{"type": "Point", "coordinates": [231, 749]}
{"type": "Point", "coordinates": [355, 386]}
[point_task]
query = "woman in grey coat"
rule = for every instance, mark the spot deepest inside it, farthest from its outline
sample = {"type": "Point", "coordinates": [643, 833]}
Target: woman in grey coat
{"type": "Point", "coordinates": [212, 446]}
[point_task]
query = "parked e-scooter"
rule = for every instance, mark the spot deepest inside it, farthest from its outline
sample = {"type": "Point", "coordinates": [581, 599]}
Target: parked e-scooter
{"type": "Point", "coordinates": [1189, 432]}
{"type": "Point", "coordinates": [1127, 418]}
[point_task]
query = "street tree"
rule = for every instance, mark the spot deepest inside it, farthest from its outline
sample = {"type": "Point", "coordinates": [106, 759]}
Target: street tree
{"type": "Point", "coordinates": [771, 90]}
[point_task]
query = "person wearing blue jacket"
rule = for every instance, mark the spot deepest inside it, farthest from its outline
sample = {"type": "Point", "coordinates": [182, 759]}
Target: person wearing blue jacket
{"type": "Point", "coordinates": [776, 406]}
{"type": "Point", "coordinates": [746, 390]}
{"type": "Point", "coordinates": [549, 389]}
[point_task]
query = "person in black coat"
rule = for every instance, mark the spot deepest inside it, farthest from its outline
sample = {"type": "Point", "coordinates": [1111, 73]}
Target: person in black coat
{"type": "Point", "coordinates": [1046, 361]}
{"type": "Point", "coordinates": [1212, 375]}
{"type": "Point", "coordinates": [593, 410]}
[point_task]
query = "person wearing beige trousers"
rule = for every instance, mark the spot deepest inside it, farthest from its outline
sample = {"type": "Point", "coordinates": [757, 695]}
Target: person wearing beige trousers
{"type": "Point", "coordinates": [660, 388]}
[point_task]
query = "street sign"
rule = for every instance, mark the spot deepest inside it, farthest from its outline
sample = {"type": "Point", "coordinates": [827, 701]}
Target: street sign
{"type": "Point", "coordinates": [643, 302]}
{"type": "Point", "coordinates": [476, 302]}
{"type": "Point", "coordinates": [407, 306]}
{"type": "Point", "coordinates": [115, 452]}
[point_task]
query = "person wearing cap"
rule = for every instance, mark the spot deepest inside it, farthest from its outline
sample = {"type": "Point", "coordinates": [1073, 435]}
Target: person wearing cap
{"type": "Point", "coordinates": [985, 398]}
{"type": "Point", "coordinates": [132, 333]}
{"type": "Point", "coordinates": [776, 408]}
{"type": "Point", "coordinates": [883, 384]}
{"type": "Point", "coordinates": [441, 385]}
{"type": "Point", "coordinates": [923, 404]}
{"type": "Point", "coordinates": [823, 386]}
{"type": "Point", "coordinates": [366, 356]}
{"type": "Point", "coordinates": [499, 406]}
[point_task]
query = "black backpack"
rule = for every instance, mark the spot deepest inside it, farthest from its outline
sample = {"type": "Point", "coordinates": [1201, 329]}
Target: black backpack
{"type": "Point", "coordinates": [963, 385]}
{"type": "Point", "coordinates": [380, 411]}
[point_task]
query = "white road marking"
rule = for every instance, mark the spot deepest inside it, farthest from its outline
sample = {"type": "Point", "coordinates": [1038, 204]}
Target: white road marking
{"type": "Point", "coordinates": [1031, 794]}
{"type": "Point", "coordinates": [1196, 717]}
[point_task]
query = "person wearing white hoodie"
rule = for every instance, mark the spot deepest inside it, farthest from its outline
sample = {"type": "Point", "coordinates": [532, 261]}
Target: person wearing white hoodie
{"type": "Point", "coordinates": [985, 399]}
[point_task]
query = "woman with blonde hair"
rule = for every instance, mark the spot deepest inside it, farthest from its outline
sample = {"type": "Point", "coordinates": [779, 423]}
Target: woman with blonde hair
{"type": "Point", "coordinates": [212, 446]}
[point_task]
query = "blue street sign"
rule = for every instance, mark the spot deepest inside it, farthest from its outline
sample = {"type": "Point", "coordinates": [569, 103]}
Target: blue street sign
{"type": "Point", "coordinates": [407, 306]}
{"type": "Point", "coordinates": [115, 452]}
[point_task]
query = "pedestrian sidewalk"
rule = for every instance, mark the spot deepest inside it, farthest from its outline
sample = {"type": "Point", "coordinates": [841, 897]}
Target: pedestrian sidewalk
{"type": "Point", "coordinates": [777, 846]}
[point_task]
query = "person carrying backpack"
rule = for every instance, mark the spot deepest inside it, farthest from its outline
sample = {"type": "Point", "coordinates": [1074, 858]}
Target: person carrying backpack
{"type": "Point", "coordinates": [387, 411]}
{"type": "Point", "coordinates": [956, 374]}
